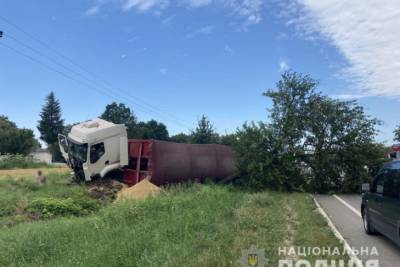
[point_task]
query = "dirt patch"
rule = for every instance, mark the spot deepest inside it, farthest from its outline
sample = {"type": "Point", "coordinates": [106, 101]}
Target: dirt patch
{"type": "Point", "coordinates": [141, 190]}
{"type": "Point", "coordinates": [105, 189]}
{"type": "Point", "coordinates": [291, 223]}
{"type": "Point", "coordinates": [29, 173]}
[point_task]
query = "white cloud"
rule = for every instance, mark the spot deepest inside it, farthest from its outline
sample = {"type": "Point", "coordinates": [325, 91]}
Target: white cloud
{"type": "Point", "coordinates": [167, 21]}
{"type": "Point", "coordinates": [198, 3]}
{"type": "Point", "coordinates": [366, 34]}
{"type": "Point", "coordinates": [348, 96]}
{"type": "Point", "coordinates": [206, 30]}
{"type": "Point", "coordinates": [283, 65]}
{"type": "Point", "coordinates": [250, 10]}
{"type": "Point", "coordinates": [145, 5]}
{"type": "Point", "coordinates": [123, 56]}
{"type": "Point", "coordinates": [92, 11]}
{"type": "Point", "coordinates": [228, 49]}
{"type": "Point", "coordinates": [247, 12]}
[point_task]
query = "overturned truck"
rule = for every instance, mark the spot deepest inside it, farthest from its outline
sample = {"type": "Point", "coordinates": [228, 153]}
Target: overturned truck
{"type": "Point", "coordinates": [97, 148]}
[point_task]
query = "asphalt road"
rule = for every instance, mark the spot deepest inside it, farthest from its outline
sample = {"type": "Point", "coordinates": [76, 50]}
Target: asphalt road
{"type": "Point", "coordinates": [345, 215]}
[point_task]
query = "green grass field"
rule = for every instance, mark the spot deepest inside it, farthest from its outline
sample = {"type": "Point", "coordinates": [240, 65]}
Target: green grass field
{"type": "Point", "coordinates": [22, 199]}
{"type": "Point", "coordinates": [187, 225]}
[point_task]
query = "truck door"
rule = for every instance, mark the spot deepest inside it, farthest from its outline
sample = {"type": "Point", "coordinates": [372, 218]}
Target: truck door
{"type": "Point", "coordinates": [98, 158]}
{"type": "Point", "coordinates": [375, 202]}
{"type": "Point", "coordinates": [391, 204]}
{"type": "Point", "coordinates": [63, 143]}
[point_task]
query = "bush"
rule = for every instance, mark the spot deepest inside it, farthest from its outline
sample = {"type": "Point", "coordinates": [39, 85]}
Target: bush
{"type": "Point", "coordinates": [261, 162]}
{"type": "Point", "coordinates": [49, 207]}
{"type": "Point", "coordinates": [10, 161]}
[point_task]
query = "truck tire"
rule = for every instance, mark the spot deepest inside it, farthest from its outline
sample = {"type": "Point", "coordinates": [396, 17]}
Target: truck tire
{"type": "Point", "coordinates": [368, 226]}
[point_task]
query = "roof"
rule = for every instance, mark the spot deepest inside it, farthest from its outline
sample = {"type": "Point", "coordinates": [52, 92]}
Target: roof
{"type": "Point", "coordinates": [94, 130]}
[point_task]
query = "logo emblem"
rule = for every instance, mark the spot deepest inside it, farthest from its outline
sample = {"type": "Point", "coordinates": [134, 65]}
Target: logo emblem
{"type": "Point", "coordinates": [253, 257]}
{"type": "Point", "coordinates": [252, 260]}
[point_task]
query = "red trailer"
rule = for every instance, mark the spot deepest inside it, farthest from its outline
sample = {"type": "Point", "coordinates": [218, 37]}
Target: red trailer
{"type": "Point", "coordinates": [394, 152]}
{"type": "Point", "coordinates": [166, 162]}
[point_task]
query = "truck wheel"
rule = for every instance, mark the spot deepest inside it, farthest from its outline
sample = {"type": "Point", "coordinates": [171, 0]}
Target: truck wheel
{"type": "Point", "coordinates": [368, 226]}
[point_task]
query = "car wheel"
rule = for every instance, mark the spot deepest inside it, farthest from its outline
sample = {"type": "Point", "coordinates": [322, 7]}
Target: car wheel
{"type": "Point", "coordinates": [368, 226]}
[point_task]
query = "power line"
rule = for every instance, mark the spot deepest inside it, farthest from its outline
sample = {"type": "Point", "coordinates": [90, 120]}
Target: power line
{"type": "Point", "coordinates": [91, 81]}
{"type": "Point", "coordinates": [110, 86]}
{"type": "Point", "coordinates": [68, 76]}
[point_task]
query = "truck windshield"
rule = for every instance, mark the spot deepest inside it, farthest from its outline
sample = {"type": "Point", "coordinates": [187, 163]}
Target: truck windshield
{"type": "Point", "coordinates": [78, 151]}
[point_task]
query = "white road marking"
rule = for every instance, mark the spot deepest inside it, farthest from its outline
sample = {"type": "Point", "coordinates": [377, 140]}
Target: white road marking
{"type": "Point", "coordinates": [349, 206]}
{"type": "Point", "coordinates": [346, 245]}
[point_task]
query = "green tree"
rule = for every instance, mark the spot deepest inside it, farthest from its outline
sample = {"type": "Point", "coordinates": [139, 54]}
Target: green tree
{"type": "Point", "coordinates": [260, 162]}
{"type": "Point", "coordinates": [228, 139]}
{"type": "Point", "coordinates": [341, 138]}
{"type": "Point", "coordinates": [68, 127]}
{"type": "Point", "coordinates": [120, 114]}
{"type": "Point", "coordinates": [51, 124]}
{"type": "Point", "coordinates": [180, 138]}
{"type": "Point", "coordinates": [14, 140]}
{"type": "Point", "coordinates": [312, 142]}
{"type": "Point", "coordinates": [204, 132]}
{"type": "Point", "coordinates": [287, 116]}
{"type": "Point", "coordinates": [151, 130]}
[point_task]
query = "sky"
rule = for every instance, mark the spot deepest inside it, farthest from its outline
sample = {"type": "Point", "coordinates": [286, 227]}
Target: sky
{"type": "Point", "coordinates": [174, 61]}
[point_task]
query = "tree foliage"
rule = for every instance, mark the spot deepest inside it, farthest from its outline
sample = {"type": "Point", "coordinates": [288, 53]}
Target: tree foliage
{"type": "Point", "coordinates": [14, 140]}
{"type": "Point", "coordinates": [51, 124]}
{"type": "Point", "coordinates": [151, 130]}
{"type": "Point", "coordinates": [180, 138]}
{"type": "Point", "coordinates": [312, 142]}
{"type": "Point", "coordinates": [228, 139]}
{"type": "Point", "coordinates": [204, 132]}
{"type": "Point", "coordinates": [120, 114]}
{"type": "Point", "coordinates": [261, 162]}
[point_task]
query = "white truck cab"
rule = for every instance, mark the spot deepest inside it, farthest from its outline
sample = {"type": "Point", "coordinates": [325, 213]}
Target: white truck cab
{"type": "Point", "coordinates": [94, 148]}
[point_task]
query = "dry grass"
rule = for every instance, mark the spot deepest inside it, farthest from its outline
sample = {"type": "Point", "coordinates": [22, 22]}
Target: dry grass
{"type": "Point", "coordinates": [30, 173]}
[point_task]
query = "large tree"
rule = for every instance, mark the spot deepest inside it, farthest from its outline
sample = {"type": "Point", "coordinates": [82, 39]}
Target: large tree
{"type": "Point", "coordinates": [14, 140]}
{"type": "Point", "coordinates": [312, 142]}
{"type": "Point", "coordinates": [51, 124]}
{"type": "Point", "coordinates": [204, 132]}
{"type": "Point", "coordinates": [120, 114]}
{"type": "Point", "coordinates": [151, 130]}
{"type": "Point", "coordinates": [339, 143]}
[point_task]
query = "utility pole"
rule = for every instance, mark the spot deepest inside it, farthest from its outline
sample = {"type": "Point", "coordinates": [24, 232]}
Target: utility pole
{"type": "Point", "coordinates": [1, 34]}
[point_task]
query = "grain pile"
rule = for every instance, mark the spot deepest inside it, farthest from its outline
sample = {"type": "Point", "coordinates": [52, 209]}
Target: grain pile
{"type": "Point", "coordinates": [141, 190]}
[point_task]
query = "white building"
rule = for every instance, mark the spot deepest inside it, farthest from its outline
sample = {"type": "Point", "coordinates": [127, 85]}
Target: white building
{"type": "Point", "coordinates": [41, 155]}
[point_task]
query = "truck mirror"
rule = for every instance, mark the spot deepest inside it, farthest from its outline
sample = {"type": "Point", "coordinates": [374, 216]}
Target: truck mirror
{"type": "Point", "coordinates": [365, 188]}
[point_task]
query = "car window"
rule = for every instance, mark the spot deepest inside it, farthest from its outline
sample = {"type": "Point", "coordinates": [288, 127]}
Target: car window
{"type": "Point", "coordinates": [391, 184]}
{"type": "Point", "coordinates": [378, 181]}
{"type": "Point", "coordinates": [96, 152]}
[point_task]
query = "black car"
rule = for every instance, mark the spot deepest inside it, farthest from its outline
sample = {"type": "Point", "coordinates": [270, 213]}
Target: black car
{"type": "Point", "coordinates": [380, 206]}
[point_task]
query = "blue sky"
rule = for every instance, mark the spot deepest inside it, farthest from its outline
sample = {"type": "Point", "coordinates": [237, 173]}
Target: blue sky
{"type": "Point", "coordinates": [176, 60]}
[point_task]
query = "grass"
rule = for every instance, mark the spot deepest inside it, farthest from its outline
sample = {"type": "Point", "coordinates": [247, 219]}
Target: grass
{"type": "Point", "coordinates": [187, 225]}
{"type": "Point", "coordinates": [10, 161]}
{"type": "Point", "coordinates": [22, 199]}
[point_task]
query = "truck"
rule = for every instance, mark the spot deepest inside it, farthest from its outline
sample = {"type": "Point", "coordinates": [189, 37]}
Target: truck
{"type": "Point", "coordinates": [97, 148]}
